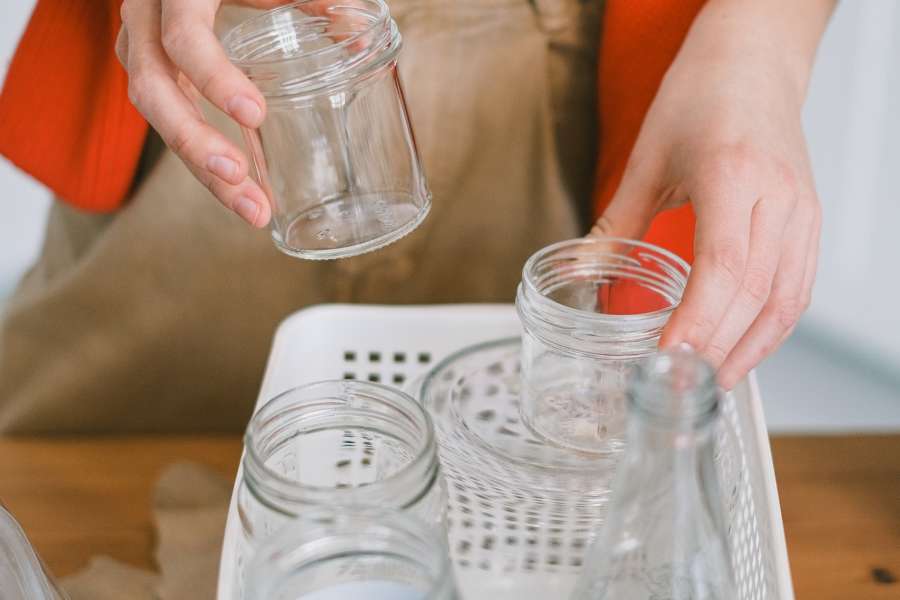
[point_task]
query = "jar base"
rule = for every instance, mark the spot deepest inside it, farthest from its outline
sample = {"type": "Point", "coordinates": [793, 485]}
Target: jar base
{"type": "Point", "coordinates": [351, 224]}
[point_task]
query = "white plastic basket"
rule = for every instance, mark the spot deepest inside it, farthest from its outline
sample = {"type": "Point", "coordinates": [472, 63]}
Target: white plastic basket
{"type": "Point", "coordinates": [393, 345]}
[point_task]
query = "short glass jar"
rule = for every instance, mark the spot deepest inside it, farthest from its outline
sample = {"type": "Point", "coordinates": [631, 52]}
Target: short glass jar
{"type": "Point", "coordinates": [346, 444]}
{"type": "Point", "coordinates": [336, 153]}
{"type": "Point", "coordinates": [590, 309]}
{"type": "Point", "coordinates": [329, 555]}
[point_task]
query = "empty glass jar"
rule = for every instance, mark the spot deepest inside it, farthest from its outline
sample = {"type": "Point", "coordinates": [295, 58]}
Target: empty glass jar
{"type": "Point", "coordinates": [343, 444]}
{"type": "Point", "coordinates": [590, 308]}
{"type": "Point", "coordinates": [336, 153]}
{"type": "Point", "coordinates": [331, 555]}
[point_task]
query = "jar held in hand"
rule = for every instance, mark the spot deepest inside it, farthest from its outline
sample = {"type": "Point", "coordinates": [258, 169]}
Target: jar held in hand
{"type": "Point", "coordinates": [336, 154]}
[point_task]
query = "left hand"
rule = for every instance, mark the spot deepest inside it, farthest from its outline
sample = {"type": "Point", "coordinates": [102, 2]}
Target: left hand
{"type": "Point", "coordinates": [724, 134]}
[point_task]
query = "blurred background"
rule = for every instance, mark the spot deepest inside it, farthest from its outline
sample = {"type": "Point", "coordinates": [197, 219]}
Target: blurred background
{"type": "Point", "coordinates": [841, 369]}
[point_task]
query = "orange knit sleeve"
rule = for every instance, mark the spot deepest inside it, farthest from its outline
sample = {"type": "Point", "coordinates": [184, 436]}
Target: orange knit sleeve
{"type": "Point", "coordinates": [65, 117]}
{"type": "Point", "coordinates": [640, 41]}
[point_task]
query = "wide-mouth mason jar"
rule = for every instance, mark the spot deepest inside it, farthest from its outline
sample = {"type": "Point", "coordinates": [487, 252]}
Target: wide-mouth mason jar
{"type": "Point", "coordinates": [590, 309]}
{"type": "Point", "coordinates": [336, 154]}
{"type": "Point", "coordinates": [342, 443]}
{"type": "Point", "coordinates": [329, 555]}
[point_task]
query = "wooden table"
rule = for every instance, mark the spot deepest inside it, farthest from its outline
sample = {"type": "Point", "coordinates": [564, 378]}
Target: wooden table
{"type": "Point", "coordinates": [840, 498]}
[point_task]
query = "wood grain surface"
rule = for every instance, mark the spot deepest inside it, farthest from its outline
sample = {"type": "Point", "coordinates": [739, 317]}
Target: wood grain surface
{"type": "Point", "coordinates": [76, 498]}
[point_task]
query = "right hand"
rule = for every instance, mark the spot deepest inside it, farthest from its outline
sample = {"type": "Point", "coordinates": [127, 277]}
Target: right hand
{"type": "Point", "coordinates": [171, 55]}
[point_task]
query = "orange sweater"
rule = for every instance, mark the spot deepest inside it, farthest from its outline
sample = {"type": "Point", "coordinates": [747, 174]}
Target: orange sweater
{"type": "Point", "coordinates": [640, 40]}
{"type": "Point", "coordinates": [65, 116]}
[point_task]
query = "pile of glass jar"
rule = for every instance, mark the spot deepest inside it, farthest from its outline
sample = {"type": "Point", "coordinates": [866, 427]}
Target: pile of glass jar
{"type": "Point", "coordinates": [501, 461]}
{"type": "Point", "coordinates": [496, 480]}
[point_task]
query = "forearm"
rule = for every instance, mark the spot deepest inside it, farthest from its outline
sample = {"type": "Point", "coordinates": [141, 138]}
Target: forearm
{"type": "Point", "coordinates": [782, 34]}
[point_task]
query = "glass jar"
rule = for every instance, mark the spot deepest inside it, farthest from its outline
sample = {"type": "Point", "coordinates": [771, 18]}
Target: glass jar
{"type": "Point", "coordinates": [329, 555]}
{"type": "Point", "coordinates": [590, 308]}
{"type": "Point", "coordinates": [336, 153]}
{"type": "Point", "coordinates": [339, 443]}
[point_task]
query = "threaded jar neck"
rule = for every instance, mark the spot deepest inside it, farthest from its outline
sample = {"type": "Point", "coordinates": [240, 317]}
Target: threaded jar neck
{"type": "Point", "coordinates": [603, 297]}
{"type": "Point", "coordinates": [313, 47]}
{"type": "Point", "coordinates": [292, 441]}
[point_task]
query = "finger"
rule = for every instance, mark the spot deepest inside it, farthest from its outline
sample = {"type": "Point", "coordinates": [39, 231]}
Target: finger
{"type": "Point", "coordinates": [247, 200]}
{"type": "Point", "coordinates": [767, 226]}
{"type": "Point", "coordinates": [261, 3]}
{"type": "Point", "coordinates": [122, 47]}
{"type": "Point", "coordinates": [721, 245]}
{"type": "Point", "coordinates": [155, 92]}
{"type": "Point", "coordinates": [154, 88]}
{"type": "Point", "coordinates": [812, 260]}
{"type": "Point", "coordinates": [189, 41]}
{"type": "Point", "coordinates": [634, 204]}
{"type": "Point", "coordinates": [789, 298]}
{"type": "Point", "coordinates": [809, 275]}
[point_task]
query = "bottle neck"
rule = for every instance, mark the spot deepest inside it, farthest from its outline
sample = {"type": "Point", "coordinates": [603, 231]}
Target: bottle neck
{"type": "Point", "coordinates": [683, 451]}
{"type": "Point", "coordinates": [673, 416]}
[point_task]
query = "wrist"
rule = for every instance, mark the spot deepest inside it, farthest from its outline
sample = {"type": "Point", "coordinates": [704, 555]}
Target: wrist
{"type": "Point", "coordinates": [770, 38]}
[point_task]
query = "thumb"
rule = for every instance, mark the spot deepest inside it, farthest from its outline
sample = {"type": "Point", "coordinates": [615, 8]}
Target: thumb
{"type": "Point", "coordinates": [632, 207]}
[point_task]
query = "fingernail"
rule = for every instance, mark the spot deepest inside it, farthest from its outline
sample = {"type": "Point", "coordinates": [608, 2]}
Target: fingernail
{"type": "Point", "coordinates": [685, 347]}
{"type": "Point", "coordinates": [247, 209]}
{"type": "Point", "coordinates": [244, 110]}
{"type": "Point", "coordinates": [601, 228]}
{"type": "Point", "coordinates": [222, 166]}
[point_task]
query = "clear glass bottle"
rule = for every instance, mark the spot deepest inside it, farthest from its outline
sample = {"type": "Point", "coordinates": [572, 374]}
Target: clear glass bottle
{"type": "Point", "coordinates": [22, 574]}
{"type": "Point", "coordinates": [590, 309]}
{"type": "Point", "coordinates": [332, 555]}
{"type": "Point", "coordinates": [348, 444]}
{"type": "Point", "coordinates": [336, 154]}
{"type": "Point", "coordinates": [664, 536]}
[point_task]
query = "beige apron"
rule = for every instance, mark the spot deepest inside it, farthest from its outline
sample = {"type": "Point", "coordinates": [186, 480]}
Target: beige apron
{"type": "Point", "coordinates": [159, 318]}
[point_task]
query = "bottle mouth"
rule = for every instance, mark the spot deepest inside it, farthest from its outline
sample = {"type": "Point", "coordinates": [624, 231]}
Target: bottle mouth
{"type": "Point", "coordinates": [348, 443]}
{"type": "Point", "coordinates": [610, 295]}
{"type": "Point", "coordinates": [674, 387]}
{"type": "Point", "coordinates": [361, 551]}
{"type": "Point", "coordinates": [313, 46]}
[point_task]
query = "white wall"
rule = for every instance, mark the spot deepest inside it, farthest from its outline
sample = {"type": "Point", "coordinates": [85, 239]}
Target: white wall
{"type": "Point", "coordinates": [23, 202]}
{"type": "Point", "coordinates": [852, 120]}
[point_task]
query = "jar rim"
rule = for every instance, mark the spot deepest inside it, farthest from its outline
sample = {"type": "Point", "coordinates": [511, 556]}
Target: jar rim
{"type": "Point", "coordinates": [228, 40]}
{"type": "Point", "coordinates": [596, 317]}
{"type": "Point", "coordinates": [362, 60]}
{"type": "Point", "coordinates": [425, 450]}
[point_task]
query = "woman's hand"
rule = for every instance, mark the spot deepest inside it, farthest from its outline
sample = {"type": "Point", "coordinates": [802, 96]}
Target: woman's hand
{"type": "Point", "coordinates": [171, 54]}
{"type": "Point", "coordinates": [724, 133]}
